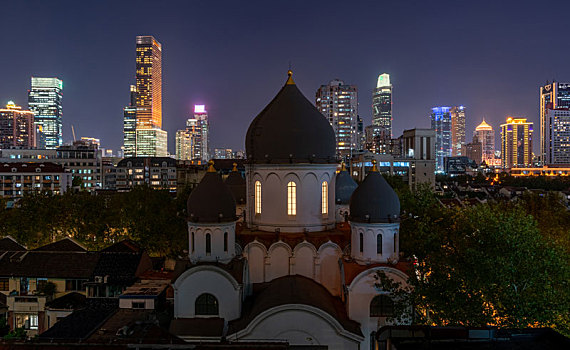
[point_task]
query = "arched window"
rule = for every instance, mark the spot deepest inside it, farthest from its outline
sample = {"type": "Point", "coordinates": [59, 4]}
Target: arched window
{"type": "Point", "coordinates": [208, 244]}
{"type": "Point", "coordinates": [361, 242]}
{"type": "Point", "coordinates": [291, 198]}
{"type": "Point", "coordinates": [379, 244]}
{"type": "Point", "coordinates": [257, 197]}
{"type": "Point", "coordinates": [225, 241]}
{"type": "Point", "coordinates": [382, 306]}
{"type": "Point", "coordinates": [206, 305]}
{"type": "Point", "coordinates": [193, 246]}
{"type": "Point", "coordinates": [395, 242]}
{"type": "Point", "coordinates": [324, 198]}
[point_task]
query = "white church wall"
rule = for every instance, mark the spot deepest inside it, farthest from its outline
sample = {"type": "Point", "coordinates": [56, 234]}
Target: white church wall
{"type": "Point", "coordinates": [197, 244]}
{"type": "Point", "coordinates": [304, 260]}
{"type": "Point", "coordinates": [328, 267]}
{"type": "Point", "coordinates": [277, 263]}
{"type": "Point", "coordinates": [370, 232]}
{"type": "Point", "coordinates": [299, 325]}
{"type": "Point", "coordinates": [207, 279]}
{"type": "Point", "coordinates": [256, 253]}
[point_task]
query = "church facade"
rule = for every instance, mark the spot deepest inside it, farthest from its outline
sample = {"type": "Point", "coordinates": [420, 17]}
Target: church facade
{"type": "Point", "coordinates": [296, 259]}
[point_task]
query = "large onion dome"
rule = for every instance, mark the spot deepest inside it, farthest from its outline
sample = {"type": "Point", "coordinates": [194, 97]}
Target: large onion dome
{"type": "Point", "coordinates": [211, 201]}
{"type": "Point", "coordinates": [236, 184]}
{"type": "Point", "coordinates": [344, 186]}
{"type": "Point", "coordinates": [374, 201]}
{"type": "Point", "coordinates": [290, 130]}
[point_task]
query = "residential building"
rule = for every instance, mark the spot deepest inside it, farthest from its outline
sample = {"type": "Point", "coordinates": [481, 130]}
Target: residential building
{"type": "Point", "coordinates": [558, 143]}
{"type": "Point", "coordinates": [155, 172]}
{"type": "Point", "coordinates": [338, 102]}
{"type": "Point", "coordinates": [130, 125]}
{"type": "Point", "coordinates": [516, 143]}
{"type": "Point", "coordinates": [17, 178]}
{"type": "Point", "coordinates": [223, 153]}
{"type": "Point", "coordinates": [382, 104]}
{"type": "Point", "coordinates": [486, 135]}
{"type": "Point", "coordinates": [459, 165]}
{"type": "Point", "coordinates": [150, 139]}
{"type": "Point", "coordinates": [183, 145]}
{"type": "Point", "coordinates": [44, 99]}
{"type": "Point", "coordinates": [419, 145]}
{"type": "Point", "coordinates": [376, 139]}
{"type": "Point", "coordinates": [552, 96]}
{"type": "Point", "coordinates": [473, 150]}
{"type": "Point", "coordinates": [196, 136]}
{"type": "Point", "coordinates": [441, 123]}
{"type": "Point", "coordinates": [17, 128]}
{"type": "Point", "coordinates": [457, 129]}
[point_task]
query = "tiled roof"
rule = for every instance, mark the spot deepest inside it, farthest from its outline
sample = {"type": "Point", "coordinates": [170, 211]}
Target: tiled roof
{"type": "Point", "coordinates": [69, 301]}
{"type": "Point", "coordinates": [22, 167]}
{"type": "Point", "coordinates": [203, 327]}
{"type": "Point", "coordinates": [48, 264]}
{"type": "Point", "coordinates": [67, 244]}
{"type": "Point", "coordinates": [10, 244]}
{"type": "Point", "coordinates": [234, 268]}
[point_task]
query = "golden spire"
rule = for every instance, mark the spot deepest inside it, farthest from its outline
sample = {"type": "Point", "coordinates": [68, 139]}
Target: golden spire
{"type": "Point", "coordinates": [234, 169]}
{"type": "Point", "coordinates": [290, 78]}
{"type": "Point", "coordinates": [342, 166]}
{"type": "Point", "coordinates": [211, 168]}
{"type": "Point", "coordinates": [374, 168]}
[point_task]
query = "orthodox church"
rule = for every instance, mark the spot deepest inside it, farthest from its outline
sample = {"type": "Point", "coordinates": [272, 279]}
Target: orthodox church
{"type": "Point", "coordinates": [291, 251]}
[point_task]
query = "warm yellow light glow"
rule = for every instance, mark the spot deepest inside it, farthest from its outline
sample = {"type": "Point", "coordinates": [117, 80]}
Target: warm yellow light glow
{"type": "Point", "coordinates": [257, 197]}
{"type": "Point", "coordinates": [291, 198]}
{"type": "Point", "coordinates": [324, 198]}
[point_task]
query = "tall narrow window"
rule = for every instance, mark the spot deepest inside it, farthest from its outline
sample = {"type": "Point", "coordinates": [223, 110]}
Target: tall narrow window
{"type": "Point", "coordinates": [193, 246]}
{"type": "Point", "coordinates": [379, 244]}
{"type": "Point", "coordinates": [257, 197]}
{"type": "Point", "coordinates": [361, 242]}
{"type": "Point", "coordinates": [225, 241]}
{"type": "Point", "coordinates": [291, 198]}
{"type": "Point", "coordinates": [208, 244]}
{"type": "Point", "coordinates": [324, 198]}
{"type": "Point", "coordinates": [395, 242]}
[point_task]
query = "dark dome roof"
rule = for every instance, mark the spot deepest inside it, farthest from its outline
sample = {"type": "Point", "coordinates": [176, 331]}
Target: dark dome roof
{"type": "Point", "coordinates": [344, 187]}
{"type": "Point", "coordinates": [374, 201]}
{"type": "Point", "coordinates": [211, 201]}
{"type": "Point", "coordinates": [290, 130]}
{"type": "Point", "coordinates": [236, 184]}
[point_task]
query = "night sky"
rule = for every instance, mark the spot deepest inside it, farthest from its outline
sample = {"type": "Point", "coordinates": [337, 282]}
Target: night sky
{"type": "Point", "coordinates": [490, 56]}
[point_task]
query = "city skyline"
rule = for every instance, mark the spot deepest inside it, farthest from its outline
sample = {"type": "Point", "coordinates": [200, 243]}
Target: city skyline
{"type": "Point", "coordinates": [495, 84]}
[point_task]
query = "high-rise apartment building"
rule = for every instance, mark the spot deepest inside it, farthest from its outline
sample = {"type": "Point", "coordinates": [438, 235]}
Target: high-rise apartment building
{"type": "Point", "coordinates": [558, 147]}
{"type": "Point", "coordinates": [486, 136]}
{"type": "Point", "coordinates": [457, 129]}
{"type": "Point", "coordinates": [183, 145]}
{"type": "Point", "coordinates": [130, 125]}
{"type": "Point", "coordinates": [339, 104]}
{"type": "Point", "coordinates": [151, 140]}
{"type": "Point", "coordinates": [552, 96]}
{"type": "Point", "coordinates": [44, 99]}
{"type": "Point", "coordinates": [473, 150]}
{"type": "Point", "coordinates": [516, 143]}
{"type": "Point", "coordinates": [382, 110]}
{"type": "Point", "coordinates": [17, 127]}
{"type": "Point", "coordinates": [193, 142]}
{"type": "Point", "coordinates": [441, 123]}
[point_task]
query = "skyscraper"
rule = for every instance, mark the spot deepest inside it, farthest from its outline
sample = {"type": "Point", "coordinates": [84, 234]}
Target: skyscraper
{"type": "Point", "coordinates": [339, 104]}
{"type": "Point", "coordinates": [130, 125]}
{"type": "Point", "coordinates": [17, 127]}
{"type": "Point", "coordinates": [516, 143]}
{"type": "Point", "coordinates": [486, 135]}
{"type": "Point", "coordinates": [558, 149]}
{"type": "Point", "coordinates": [183, 145]}
{"type": "Point", "coordinates": [457, 129]}
{"type": "Point", "coordinates": [382, 104]}
{"type": "Point", "coordinates": [441, 123]}
{"type": "Point", "coordinates": [44, 99]}
{"type": "Point", "coordinates": [193, 142]}
{"type": "Point", "coordinates": [552, 96]}
{"type": "Point", "coordinates": [149, 99]}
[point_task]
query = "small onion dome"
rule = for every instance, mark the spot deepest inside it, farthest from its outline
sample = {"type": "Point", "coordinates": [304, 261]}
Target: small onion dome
{"type": "Point", "coordinates": [344, 186]}
{"type": "Point", "coordinates": [211, 201]}
{"type": "Point", "coordinates": [290, 130]}
{"type": "Point", "coordinates": [236, 184]}
{"type": "Point", "coordinates": [374, 201]}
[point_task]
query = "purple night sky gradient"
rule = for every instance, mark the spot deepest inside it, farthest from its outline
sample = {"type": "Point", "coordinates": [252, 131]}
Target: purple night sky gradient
{"type": "Point", "coordinates": [232, 56]}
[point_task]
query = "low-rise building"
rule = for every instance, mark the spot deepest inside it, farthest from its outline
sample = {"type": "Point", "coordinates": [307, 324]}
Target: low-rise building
{"type": "Point", "coordinates": [156, 172]}
{"type": "Point", "coordinates": [18, 178]}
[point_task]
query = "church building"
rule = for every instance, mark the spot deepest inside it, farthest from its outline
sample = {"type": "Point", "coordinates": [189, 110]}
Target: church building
{"type": "Point", "coordinates": [291, 251]}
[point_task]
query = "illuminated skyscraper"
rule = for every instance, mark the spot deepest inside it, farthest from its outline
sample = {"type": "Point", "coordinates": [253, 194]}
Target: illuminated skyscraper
{"type": "Point", "coordinates": [44, 99]}
{"type": "Point", "coordinates": [441, 123]}
{"type": "Point", "coordinates": [382, 108]}
{"type": "Point", "coordinates": [183, 145]}
{"type": "Point", "coordinates": [151, 140]}
{"type": "Point", "coordinates": [339, 104]}
{"type": "Point", "coordinates": [486, 135]}
{"type": "Point", "coordinates": [193, 142]}
{"type": "Point", "coordinates": [516, 143]}
{"type": "Point", "coordinates": [558, 149]}
{"type": "Point", "coordinates": [457, 129]}
{"type": "Point", "coordinates": [130, 124]}
{"type": "Point", "coordinates": [552, 96]}
{"type": "Point", "coordinates": [17, 127]}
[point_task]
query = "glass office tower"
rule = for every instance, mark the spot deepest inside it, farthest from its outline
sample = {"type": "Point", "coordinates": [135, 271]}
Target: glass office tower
{"type": "Point", "coordinates": [44, 99]}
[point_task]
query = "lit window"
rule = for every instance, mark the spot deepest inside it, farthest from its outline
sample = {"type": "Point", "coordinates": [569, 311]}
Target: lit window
{"type": "Point", "coordinates": [208, 244]}
{"type": "Point", "coordinates": [206, 305]}
{"type": "Point", "coordinates": [257, 197]}
{"type": "Point", "coordinates": [291, 198]}
{"type": "Point", "coordinates": [379, 244]}
{"type": "Point", "coordinates": [324, 198]}
{"type": "Point", "coordinates": [381, 306]}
